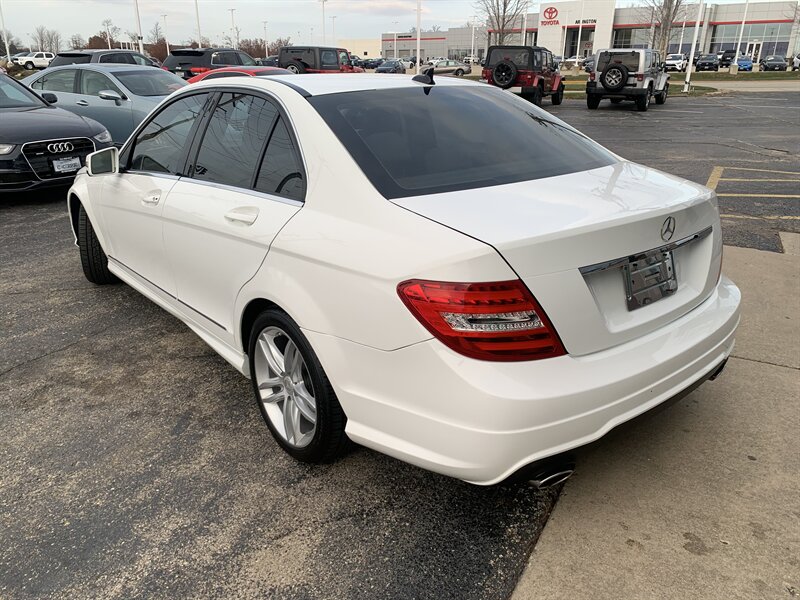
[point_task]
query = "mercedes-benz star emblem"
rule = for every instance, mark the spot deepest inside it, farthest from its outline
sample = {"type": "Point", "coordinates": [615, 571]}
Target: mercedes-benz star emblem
{"type": "Point", "coordinates": [668, 229]}
{"type": "Point", "coordinates": [59, 147]}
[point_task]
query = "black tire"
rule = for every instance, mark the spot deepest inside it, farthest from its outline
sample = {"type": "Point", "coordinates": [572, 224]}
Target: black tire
{"type": "Point", "coordinates": [537, 95]}
{"type": "Point", "coordinates": [458, 73]}
{"type": "Point", "coordinates": [93, 259]}
{"type": "Point", "coordinates": [661, 97]}
{"type": "Point", "coordinates": [614, 77]}
{"type": "Point", "coordinates": [329, 440]}
{"type": "Point", "coordinates": [558, 97]}
{"type": "Point", "coordinates": [504, 74]}
{"type": "Point", "coordinates": [29, 66]}
{"type": "Point", "coordinates": [616, 100]}
{"type": "Point", "coordinates": [296, 66]}
{"type": "Point", "coordinates": [592, 101]}
{"type": "Point", "coordinates": [643, 102]}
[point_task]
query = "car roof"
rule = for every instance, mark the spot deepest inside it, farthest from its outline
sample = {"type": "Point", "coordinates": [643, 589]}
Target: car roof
{"type": "Point", "coordinates": [107, 67]}
{"type": "Point", "coordinates": [323, 84]}
{"type": "Point", "coordinates": [95, 51]}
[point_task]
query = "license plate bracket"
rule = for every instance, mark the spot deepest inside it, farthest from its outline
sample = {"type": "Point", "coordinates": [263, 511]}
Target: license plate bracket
{"type": "Point", "coordinates": [649, 277]}
{"type": "Point", "coordinates": [66, 165]}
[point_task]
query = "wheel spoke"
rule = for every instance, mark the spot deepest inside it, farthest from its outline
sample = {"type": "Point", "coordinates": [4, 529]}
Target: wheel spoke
{"type": "Point", "coordinates": [269, 395]}
{"type": "Point", "coordinates": [291, 421]}
{"type": "Point", "coordinates": [305, 403]}
{"type": "Point", "coordinates": [290, 358]}
{"type": "Point", "coordinates": [271, 353]}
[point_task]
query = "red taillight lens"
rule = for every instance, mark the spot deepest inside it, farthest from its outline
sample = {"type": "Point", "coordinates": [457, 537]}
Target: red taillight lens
{"type": "Point", "coordinates": [640, 77]}
{"type": "Point", "coordinates": [591, 76]}
{"type": "Point", "coordinates": [498, 321]}
{"type": "Point", "coordinates": [165, 68]}
{"type": "Point", "coordinates": [198, 70]}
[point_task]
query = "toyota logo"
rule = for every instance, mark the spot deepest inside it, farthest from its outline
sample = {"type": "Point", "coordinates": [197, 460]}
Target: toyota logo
{"type": "Point", "coordinates": [551, 12]}
{"type": "Point", "coordinates": [59, 147]}
{"type": "Point", "coordinates": [668, 229]}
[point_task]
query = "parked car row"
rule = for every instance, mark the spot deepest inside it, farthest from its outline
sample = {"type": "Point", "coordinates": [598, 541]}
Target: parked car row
{"type": "Point", "coordinates": [42, 60]}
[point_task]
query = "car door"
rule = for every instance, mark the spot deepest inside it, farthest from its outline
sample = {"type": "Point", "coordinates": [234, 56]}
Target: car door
{"type": "Point", "coordinates": [132, 202]}
{"type": "Point", "coordinates": [115, 115]}
{"type": "Point", "coordinates": [548, 70]}
{"type": "Point", "coordinates": [61, 82]}
{"type": "Point", "coordinates": [246, 181]}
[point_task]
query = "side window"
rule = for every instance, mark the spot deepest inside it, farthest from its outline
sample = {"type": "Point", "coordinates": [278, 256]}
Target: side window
{"type": "Point", "coordinates": [92, 83]}
{"type": "Point", "coordinates": [344, 59]}
{"type": "Point", "coordinates": [59, 81]}
{"type": "Point", "coordinates": [141, 60]}
{"type": "Point", "coordinates": [328, 58]}
{"type": "Point", "coordinates": [245, 59]}
{"type": "Point", "coordinates": [233, 140]}
{"type": "Point", "coordinates": [537, 60]}
{"type": "Point", "coordinates": [281, 171]}
{"type": "Point", "coordinates": [38, 55]}
{"type": "Point", "coordinates": [159, 146]}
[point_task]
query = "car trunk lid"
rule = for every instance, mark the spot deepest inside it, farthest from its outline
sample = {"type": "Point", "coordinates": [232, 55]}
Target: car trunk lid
{"type": "Point", "coordinates": [559, 233]}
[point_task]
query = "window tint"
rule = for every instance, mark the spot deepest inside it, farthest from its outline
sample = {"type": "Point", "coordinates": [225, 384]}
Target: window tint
{"type": "Point", "coordinates": [141, 60]}
{"type": "Point", "coordinates": [233, 140]}
{"type": "Point", "coordinates": [281, 172]}
{"type": "Point", "coordinates": [59, 81]}
{"type": "Point", "coordinates": [245, 59]}
{"type": "Point", "coordinates": [520, 57]}
{"type": "Point", "coordinates": [225, 58]}
{"type": "Point", "coordinates": [117, 57]}
{"type": "Point", "coordinates": [343, 57]}
{"type": "Point", "coordinates": [150, 82]}
{"type": "Point", "coordinates": [328, 58]}
{"type": "Point", "coordinates": [415, 141]}
{"type": "Point", "coordinates": [92, 83]}
{"type": "Point", "coordinates": [159, 146]}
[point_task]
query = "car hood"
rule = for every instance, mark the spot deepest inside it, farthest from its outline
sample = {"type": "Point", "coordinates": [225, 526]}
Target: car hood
{"type": "Point", "coordinates": [22, 125]}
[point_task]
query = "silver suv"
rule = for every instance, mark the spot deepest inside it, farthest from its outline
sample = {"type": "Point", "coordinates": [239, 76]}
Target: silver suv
{"type": "Point", "coordinates": [628, 74]}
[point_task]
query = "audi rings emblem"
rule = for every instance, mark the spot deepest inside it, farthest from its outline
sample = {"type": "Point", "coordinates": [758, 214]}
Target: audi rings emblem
{"type": "Point", "coordinates": [59, 147]}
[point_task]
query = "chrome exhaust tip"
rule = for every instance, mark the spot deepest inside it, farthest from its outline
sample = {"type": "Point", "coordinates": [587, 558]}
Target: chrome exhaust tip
{"type": "Point", "coordinates": [551, 478]}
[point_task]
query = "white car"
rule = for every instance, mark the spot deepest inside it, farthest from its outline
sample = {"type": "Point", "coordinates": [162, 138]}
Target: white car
{"type": "Point", "coordinates": [35, 60]}
{"type": "Point", "coordinates": [675, 62]}
{"type": "Point", "coordinates": [479, 321]}
{"type": "Point", "coordinates": [404, 60]}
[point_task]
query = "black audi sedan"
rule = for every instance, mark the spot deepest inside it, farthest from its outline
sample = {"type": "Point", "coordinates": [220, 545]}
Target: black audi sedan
{"type": "Point", "coordinates": [42, 145]}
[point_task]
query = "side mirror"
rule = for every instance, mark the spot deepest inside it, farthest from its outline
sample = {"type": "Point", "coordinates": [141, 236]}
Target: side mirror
{"type": "Point", "coordinates": [103, 162]}
{"type": "Point", "coordinates": [110, 95]}
{"type": "Point", "coordinates": [50, 98]}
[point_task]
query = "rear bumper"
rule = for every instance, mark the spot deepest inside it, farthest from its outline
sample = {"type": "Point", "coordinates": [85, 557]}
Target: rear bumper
{"type": "Point", "coordinates": [592, 88]}
{"type": "Point", "coordinates": [482, 422]}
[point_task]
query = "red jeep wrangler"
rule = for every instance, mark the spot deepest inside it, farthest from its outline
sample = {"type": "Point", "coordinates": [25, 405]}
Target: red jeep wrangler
{"type": "Point", "coordinates": [529, 71]}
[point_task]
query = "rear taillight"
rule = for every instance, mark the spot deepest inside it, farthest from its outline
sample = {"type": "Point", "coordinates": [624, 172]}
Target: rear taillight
{"type": "Point", "coordinates": [591, 76]}
{"type": "Point", "coordinates": [640, 77]}
{"type": "Point", "coordinates": [198, 70]}
{"type": "Point", "coordinates": [165, 68]}
{"type": "Point", "coordinates": [498, 321]}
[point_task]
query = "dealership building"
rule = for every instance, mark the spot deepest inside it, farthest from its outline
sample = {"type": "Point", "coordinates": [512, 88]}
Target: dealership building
{"type": "Point", "coordinates": [579, 27]}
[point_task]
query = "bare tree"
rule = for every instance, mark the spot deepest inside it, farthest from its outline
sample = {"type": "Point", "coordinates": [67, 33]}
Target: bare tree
{"type": "Point", "coordinates": [77, 41]}
{"type": "Point", "coordinates": [53, 41]}
{"type": "Point", "coordinates": [14, 45]}
{"type": "Point", "coordinates": [40, 37]}
{"type": "Point", "coordinates": [109, 30]}
{"type": "Point", "coordinates": [501, 15]}
{"type": "Point", "coordinates": [662, 14]}
{"type": "Point", "coordinates": [155, 35]}
{"type": "Point", "coordinates": [436, 28]}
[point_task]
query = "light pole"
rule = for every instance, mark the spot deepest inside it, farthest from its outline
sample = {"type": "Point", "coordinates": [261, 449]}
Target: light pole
{"type": "Point", "coordinates": [419, 34]}
{"type": "Point", "coordinates": [166, 40]}
{"type": "Point", "coordinates": [266, 47]}
{"type": "Point", "coordinates": [108, 35]}
{"type": "Point", "coordinates": [395, 23]}
{"type": "Point", "coordinates": [741, 32]}
{"type": "Point", "coordinates": [233, 29]}
{"type": "Point", "coordinates": [578, 51]}
{"type": "Point", "coordinates": [472, 49]}
{"type": "Point", "coordinates": [694, 43]}
{"type": "Point", "coordinates": [524, 34]}
{"type": "Point", "coordinates": [138, 26]}
{"type": "Point", "coordinates": [333, 28]}
{"type": "Point", "coordinates": [323, 22]}
{"type": "Point", "coordinates": [5, 33]}
{"type": "Point", "coordinates": [197, 18]}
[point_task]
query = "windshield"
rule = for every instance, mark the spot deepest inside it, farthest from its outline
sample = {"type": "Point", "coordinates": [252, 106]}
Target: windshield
{"type": "Point", "coordinates": [15, 95]}
{"type": "Point", "coordinates": [426, 140]}
{"type": "Point", "coordinates": [709, 57]}
{"type": "Point", "coordinates": [675, 57]}
{"type": "Point", "coordinates": [150, 82]}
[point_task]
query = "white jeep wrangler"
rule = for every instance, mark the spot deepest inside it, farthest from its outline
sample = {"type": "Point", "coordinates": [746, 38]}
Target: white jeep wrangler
{"type": "Point", "coordinates": [627, 74]}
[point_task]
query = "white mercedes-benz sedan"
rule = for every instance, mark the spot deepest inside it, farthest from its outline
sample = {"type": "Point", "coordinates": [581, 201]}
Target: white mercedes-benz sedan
{"type": "Point", "coordinates": [440, 271]}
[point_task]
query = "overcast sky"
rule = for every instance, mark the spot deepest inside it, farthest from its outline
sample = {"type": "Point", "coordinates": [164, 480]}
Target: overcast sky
{"type": "Point", "coordinates": [293, 18]}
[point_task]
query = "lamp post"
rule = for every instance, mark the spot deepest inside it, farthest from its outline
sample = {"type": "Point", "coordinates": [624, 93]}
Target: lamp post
{"type": "Point", "coordinates": [694, 44]}
{"type": "Point", "coordinates": [741, 31]}
{"type": "Point", "coordinates": [578, 51]}
{"type": "Point", "coordinates": [233, 29]}
{"type": "Point", "coordinates": [166, 40]}
{"type": "Point", "coordinates": [138, 26]}
{"type": "Point", "coordinates": [524, 33]}
{"type": "Point", "coordinates": [266, 47]}
{"type": "Point", "coordinates": [5, 33]}
{"type": "Point", "coordinates": [472, 48]}
{"type": "Point", "coordinates": [395, 23]}
{"type": "Point", "coordinates": [419, 34]}
{"type": "Point", "coordinates": [333, 28]}
{"type": "Point", "coordinates": [108, 35]}
{"type": "Point", "coordinates": [197, 18]}
{"type": "Point", "coordinates": [323, 23]}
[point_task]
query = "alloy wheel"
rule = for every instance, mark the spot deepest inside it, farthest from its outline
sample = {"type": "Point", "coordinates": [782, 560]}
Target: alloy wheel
{"type": "Point", "coordinates": [284, 387]}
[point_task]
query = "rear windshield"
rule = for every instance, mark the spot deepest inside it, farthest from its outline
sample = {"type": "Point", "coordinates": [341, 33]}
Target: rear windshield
{"type": "Point", "coordinates": [190, 58]}
{"type": "Point", "coordinates": [70, 59]}
{"type": "Point", "coordinates": [150, 82]}
{"type": "Point", "coordinates": [629, 59]}
{"type": "Point", "coordinates": [521, 57]}
{"type": "Point", "coordinates": [427, 140]}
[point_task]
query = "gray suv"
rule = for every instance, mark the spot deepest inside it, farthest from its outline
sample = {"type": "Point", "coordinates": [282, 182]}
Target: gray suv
{"type": "Point", "coordinates": [113, 56]}
{"type": "Point", "coordinates": [628, 74]}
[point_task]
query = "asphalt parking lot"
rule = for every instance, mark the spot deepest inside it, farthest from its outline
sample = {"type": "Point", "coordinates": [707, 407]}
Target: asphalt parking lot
{"type": "Point", "coordinates": [134, 464]}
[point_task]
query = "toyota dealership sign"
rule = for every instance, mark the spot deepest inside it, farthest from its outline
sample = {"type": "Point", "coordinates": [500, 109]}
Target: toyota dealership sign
{"type": "Point", "coordinates": [550, 16]}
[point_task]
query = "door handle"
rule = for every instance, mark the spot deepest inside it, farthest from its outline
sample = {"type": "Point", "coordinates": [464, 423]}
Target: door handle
{"type": "Point", "coordinates": [242, 214]}
{"type": "Point", "coordinates": [82, 103]}
{"type": "Point", "coordinates": [151, 198]}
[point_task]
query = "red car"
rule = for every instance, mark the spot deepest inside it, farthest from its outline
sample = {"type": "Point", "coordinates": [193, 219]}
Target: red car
{"type": "Point", "coordinates": [238, 72]}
